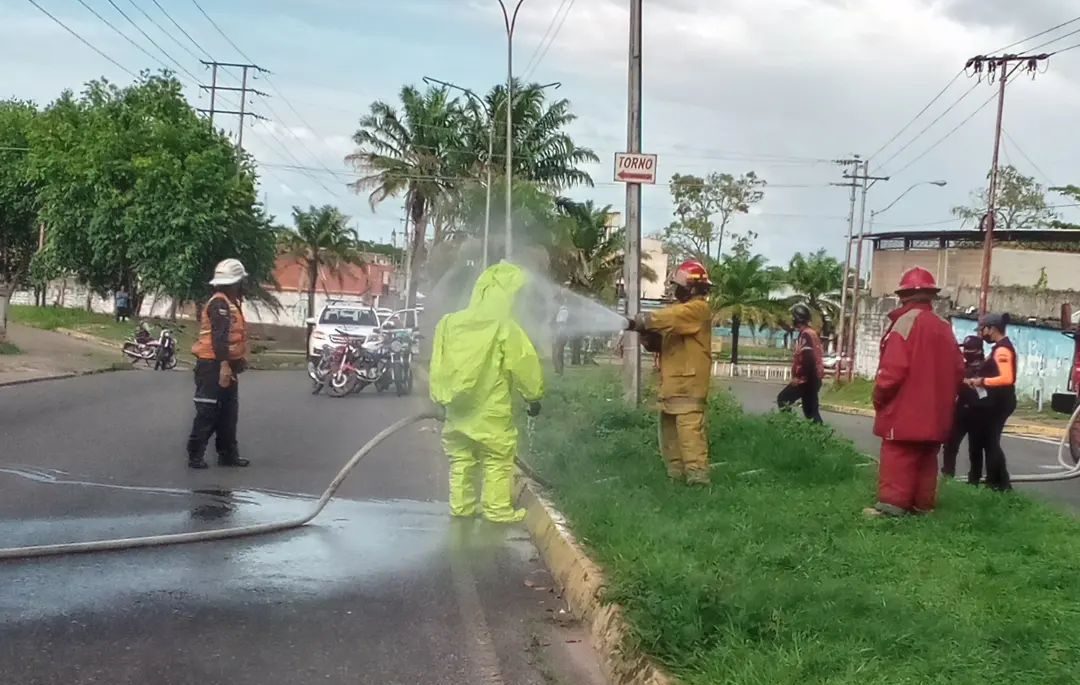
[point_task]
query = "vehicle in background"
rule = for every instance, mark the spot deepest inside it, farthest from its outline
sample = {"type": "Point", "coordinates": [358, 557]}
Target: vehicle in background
{"type": "Point", "coordinates": [160, 353]}
{"type": "Point", "coordinates": [337, 321]}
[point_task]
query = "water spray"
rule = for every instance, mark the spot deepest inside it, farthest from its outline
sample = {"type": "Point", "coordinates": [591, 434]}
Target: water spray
{"type": "Point", "coordinates": [10, 553]}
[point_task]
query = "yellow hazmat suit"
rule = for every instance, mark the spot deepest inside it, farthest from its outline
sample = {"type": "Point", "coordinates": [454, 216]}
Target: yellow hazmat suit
{"type": "Point", "coordinates": [685, 375]}
{"type": "Point", "coordinates": [480, 359]}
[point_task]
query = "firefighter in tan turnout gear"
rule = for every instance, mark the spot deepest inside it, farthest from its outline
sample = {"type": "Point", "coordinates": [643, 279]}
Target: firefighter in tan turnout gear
{"type": "Point", "coordinates": [684, 330]}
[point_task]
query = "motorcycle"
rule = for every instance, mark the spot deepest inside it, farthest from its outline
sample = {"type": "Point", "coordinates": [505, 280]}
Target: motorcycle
{"type": "Point", "coordinates": [319, 369]}
{"type": "Point", "coordinates": [400, 344]}
{"type": "Point", "coordinates": [160, 352]}
{"type": "Point", "coordinates": [356, 363]}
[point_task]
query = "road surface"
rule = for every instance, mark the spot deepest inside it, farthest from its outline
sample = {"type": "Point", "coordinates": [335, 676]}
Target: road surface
{"type": "Point", "coordinates": [383, 589]}
{"type": "Point", "coordinates": [1025, 455]}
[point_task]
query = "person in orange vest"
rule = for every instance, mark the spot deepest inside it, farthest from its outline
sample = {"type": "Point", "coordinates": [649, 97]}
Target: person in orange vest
{"type": "Point", "coordinates": [918, 378]}
{"type": "Point", "coordinates": [996, 385]}
{"type": "Point", "coordinates": [220, 354]}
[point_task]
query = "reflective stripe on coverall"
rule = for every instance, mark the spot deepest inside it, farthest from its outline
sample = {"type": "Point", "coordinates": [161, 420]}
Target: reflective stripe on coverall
{"type": "Point", "coordinates": [685, 375]}
{"type": "Point", "coordinates": [480, 358]}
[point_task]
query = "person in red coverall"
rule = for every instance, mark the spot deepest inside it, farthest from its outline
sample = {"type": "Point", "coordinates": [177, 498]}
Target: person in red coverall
{"type": "Point", "coordinates": [918, 378]}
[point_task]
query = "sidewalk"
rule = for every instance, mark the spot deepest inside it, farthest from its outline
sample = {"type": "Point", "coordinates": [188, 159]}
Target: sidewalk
{"type": "Point", "coordinates": [51, 355]}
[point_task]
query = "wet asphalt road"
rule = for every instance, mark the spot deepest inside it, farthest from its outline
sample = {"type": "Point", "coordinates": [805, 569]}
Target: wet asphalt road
{"type": "Point", "coordinates": [1024, 455]}
{"type": "Point", "coordinates": [382, 589]}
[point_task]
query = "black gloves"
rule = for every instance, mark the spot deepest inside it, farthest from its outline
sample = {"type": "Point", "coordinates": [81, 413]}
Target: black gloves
{"type": "Point", "coordinates": [631, 325]}
{"type": "Point", "coordinates": [534, 409]}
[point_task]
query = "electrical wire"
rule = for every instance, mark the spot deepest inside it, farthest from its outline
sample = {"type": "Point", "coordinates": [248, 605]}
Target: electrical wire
{"type": "Point", "coordinates": [918, 135]}
{"type": "Point", "coordinates": [1014, 144]}
{"type": "Point", "coordinates": [123, 35]}
{"type": "Point", "coordinates": [1051, 42]}
{"type": "Point", "coordinates": [181, 30]}
{"type": "Point", "coordinates": [919, 114]}
{"type": "Point", "coordinates": [153, 42]}
{"type": "Point", "coordinates": [945, 137]}
{"type": "Point", "coordinates": [161, 28]}
{"type": "Point", "coordinates": [531, 70]}
{"type": "Point", "coordinates": [219, 30]}
{"type": "Point", "coordinates": [1040, 33]}
{"type": "Point", "coordinates": [82, 40]}
{"type": "Point", "coordinates": [547, 32]}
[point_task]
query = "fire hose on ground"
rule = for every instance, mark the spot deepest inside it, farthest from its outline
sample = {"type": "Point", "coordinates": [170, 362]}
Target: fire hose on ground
{"type": "Point", "coordinates": [222, 533]}
{"type": "Point", "coordinates": [1070, 468]}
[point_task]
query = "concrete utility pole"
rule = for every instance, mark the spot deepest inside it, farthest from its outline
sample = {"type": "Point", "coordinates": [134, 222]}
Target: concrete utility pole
{"type": "Point", "coordinates": [511, 22]}
{"type": "Point", "coordinates": [213, 88]}
{"type": "Point", "coordinates": [991, 66]}
{"type": "Point", "coordinates": [841, 331]}
{"type": "Point", "coordinates": [631, 353]}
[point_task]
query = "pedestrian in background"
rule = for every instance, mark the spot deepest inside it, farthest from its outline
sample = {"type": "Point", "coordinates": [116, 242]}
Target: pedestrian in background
{"type": "Point", "coordinates": [807, 368]}
{"type": "Point", "coordinates": [918, 377]}
{"type": "Point", "coordinates": [683, 334]}
{"type": "Point", "coordinates": [122, 304]}
{"type": "Point", "coordinates": [996, 386]}
{"type": "Point", "coordinates": [562, 318]}
{"type": "Point", "coordinates": [963, 422]}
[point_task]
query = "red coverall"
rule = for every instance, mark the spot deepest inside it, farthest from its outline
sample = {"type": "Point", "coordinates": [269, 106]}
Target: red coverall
{"type": "Point", "coordinates": [918, 378]}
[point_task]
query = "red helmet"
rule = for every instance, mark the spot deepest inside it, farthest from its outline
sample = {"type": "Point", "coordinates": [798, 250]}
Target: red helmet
{"type": "Point", "coordinates": [917, 279]}
{"type": "Point", "coordinates": [690, 273]}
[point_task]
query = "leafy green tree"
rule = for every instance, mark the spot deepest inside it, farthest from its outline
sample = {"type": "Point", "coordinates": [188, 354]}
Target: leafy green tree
{"type": "Point", "coordinates": [136, 189]}
{"type": "Point", "coordinates": [18, 202]}
{"type": "Point", "coordinates": [704, 210]}
{"type": "Point", "coordinates": [743, 295]}
{"type": "Point", "coordinates": [416, 152]}
{"type": "Point", "coordinates": [321, 239]}
{"type": "Point", "coordinates": [816, 279]}
{"type": "Point", "coordinates": [1020, 204]}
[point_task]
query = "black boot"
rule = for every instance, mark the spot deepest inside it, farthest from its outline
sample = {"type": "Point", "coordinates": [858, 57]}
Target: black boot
{"type": "Point", "coordinates": [197, 463]}
{"type": "Point", "coordinates": [232, 461]}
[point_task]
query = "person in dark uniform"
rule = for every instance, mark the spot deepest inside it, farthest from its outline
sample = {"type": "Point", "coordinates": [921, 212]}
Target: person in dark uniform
{"type": "Point", "coordinates": [807, 368]}
{"type": "Point", "coordinates": [220, 352]}
{"type": "Point", "coordinates": [996, 386]}
{"type": "Point", "coordinates": [963, 426]}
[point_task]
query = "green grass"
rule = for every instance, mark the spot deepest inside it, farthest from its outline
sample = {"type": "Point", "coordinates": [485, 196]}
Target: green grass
{"type": "Point", "coordinates": [100, 325]}
{"type": "Point", "coordinates": [9, 348]}
{"type": "Point", "coordinates": [772, 576]}
{"type": "Point", "coordinates": [857, 393]}
{"type": "Point", "coordinates": [750, 353]}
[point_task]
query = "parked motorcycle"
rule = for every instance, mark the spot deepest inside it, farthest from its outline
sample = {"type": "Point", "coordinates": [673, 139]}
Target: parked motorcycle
{"type": "Point", "coordinates": [357, 362]}
{"type": "Point", "coordinates": [400, 343]}
{"type": "Point", "coordinates": [161, 352]}
{"type": "Point", "coordinates": [319, 369]}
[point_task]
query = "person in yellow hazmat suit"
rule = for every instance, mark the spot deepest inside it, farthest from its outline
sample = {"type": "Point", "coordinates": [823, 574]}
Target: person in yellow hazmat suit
{"type": "Point", "coordinates": [682, 333]}
{"type": "Point", "coordinates": [481, 359]}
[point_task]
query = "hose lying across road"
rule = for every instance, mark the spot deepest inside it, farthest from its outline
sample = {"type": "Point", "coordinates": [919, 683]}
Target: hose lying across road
{"type": "Point", "coordinates": [222, 533]}
{"type": "Point", "coordinates": [1071, 468]}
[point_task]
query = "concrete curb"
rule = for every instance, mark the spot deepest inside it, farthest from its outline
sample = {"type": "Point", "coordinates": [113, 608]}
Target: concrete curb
{"type": "Point", "coordinates": [582, 583]}
{"type": "Point", "coordinates": [86, 337]}
{"type": "Point", "coordinates": [1023, 430]}
{"type": "Point", "coordinates": [58, 377]}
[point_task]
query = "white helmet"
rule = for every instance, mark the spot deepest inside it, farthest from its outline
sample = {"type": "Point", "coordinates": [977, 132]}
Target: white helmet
{"type": "Point", "coordinates": [228, 272]}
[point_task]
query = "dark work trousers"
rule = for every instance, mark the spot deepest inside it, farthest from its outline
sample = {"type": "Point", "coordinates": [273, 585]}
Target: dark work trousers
{"type": "Point", "coordinates": [216, 412]}
{"type": "Point", "coordinates": [988, 425]}
{"type": "Point", "coordinates": [808, 393]}
{"type": "Point", "coordinates": [558, 352]}
{"type": "Point", "coordinates": [962, 427]}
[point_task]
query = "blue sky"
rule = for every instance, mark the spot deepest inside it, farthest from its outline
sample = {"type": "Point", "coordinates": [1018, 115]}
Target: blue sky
{"type": "Point", "coordinates": [729, 86]}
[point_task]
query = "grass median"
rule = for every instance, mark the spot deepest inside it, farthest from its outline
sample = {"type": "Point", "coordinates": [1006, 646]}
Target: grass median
{"type": "Point", "coordinates": [773, 576]}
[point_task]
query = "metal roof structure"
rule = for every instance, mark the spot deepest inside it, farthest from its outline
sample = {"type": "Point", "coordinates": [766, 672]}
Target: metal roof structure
{"type": "Point", "coordinates": [1059, 240]}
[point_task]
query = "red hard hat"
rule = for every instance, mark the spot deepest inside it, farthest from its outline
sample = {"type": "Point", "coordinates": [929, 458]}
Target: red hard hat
{"type": "Point", "coordinates": [691, 272]}
{"type": "Point", "coordinates": [916, 279]}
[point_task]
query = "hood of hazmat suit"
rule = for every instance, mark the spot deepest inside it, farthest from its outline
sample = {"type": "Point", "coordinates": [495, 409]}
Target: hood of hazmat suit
{"type": "Point", "coordinates": [481, 359]}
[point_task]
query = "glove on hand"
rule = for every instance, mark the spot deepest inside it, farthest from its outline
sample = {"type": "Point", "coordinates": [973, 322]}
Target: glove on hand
{"type": "Point", "coordinates": [534, 409]}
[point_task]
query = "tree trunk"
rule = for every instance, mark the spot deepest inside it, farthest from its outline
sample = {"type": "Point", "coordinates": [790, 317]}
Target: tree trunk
{"type": "Point", "coordinates": [6, 291]}
{"type": "Point", "coordinates": [419, 216]}
{"type": "Point", "coordinates": [736, 322]}
{"type": "Point", "coordinates": [173, 307]}
{"type": "Point", "coordinates": [313, 282]}
{"type": "Point", "coordinates": [89, 300]}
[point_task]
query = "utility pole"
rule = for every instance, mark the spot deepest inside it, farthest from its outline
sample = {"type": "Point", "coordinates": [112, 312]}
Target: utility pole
{"type": "Point", "coordinates": [859, 177]}
{"type": "Point", "coordinates": [511, 22]}
{"type": "Point", "coordinates": [631, 352]}
{"type": "Point", "coordinates": [213, 88]}
{"type": "Point", "coordinates": [996, 67]}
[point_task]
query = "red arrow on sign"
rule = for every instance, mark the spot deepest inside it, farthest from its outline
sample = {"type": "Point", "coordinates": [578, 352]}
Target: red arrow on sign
{"type": "Point", "coordinates": [632, 176]}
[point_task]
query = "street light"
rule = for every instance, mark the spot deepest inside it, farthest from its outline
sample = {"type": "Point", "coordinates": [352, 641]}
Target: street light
{"type": "Point", "coordinates": [511, 22]}
{"type": "Point", "coordinates": [491, 144]}
{"type": "Point", "coordinates": [858, 270]}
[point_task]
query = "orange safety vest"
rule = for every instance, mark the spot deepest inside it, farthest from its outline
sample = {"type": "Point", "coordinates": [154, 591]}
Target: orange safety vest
{"type": "Point", "coordinates": [204, 346]}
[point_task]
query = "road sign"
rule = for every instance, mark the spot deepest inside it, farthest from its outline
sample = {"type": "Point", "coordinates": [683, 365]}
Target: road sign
{"type": "Point", "coordinates": [632, 167]}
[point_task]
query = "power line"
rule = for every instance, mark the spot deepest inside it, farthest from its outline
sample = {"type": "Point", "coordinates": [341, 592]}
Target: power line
{"type": "Point", "coordinates": [945, 137]}
{"type": "Point", "coordinates": [82, 40]}
{"type": "Point", "coordinates": [181, 30]}
{"type": "Point", "coordinates": [547, 32]}
{"type": "Point", "coordinates": [551, 41]}
{"type": "Point", "coordinates": [123, 35]}
{"type": "Point", "coordinates": [219, 30]}
{"type": "Point", "coordinates": [161, 28]}
{"type": "Point", "coordinates": [152, 41]}
{"type": "Point", "coordinates": [1040, 33]}
{"type": "Point", "coordinates": [1013, 143]}
{"type": "Point", "coordinates": [939, 117]}
{"type": "Point", "coordinates": [1050, 42]}
{"type": "Point", "coordinates": [916, 117]}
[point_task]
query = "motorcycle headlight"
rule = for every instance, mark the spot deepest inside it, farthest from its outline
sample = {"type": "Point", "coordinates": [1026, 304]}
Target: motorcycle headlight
{"type": "Point", "coordinates": [395, 346]}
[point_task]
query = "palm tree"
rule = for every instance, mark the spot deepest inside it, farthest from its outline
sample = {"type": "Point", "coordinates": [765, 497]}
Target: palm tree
{"type": "Point", "coordinates": [585, 254]}
{"type": "Point", "coordinates": [416, 152]}
{"type": "Point", "coordinates": [743, 294]}
{"type": "Point", "coordinates": [816, 279]}
{"type": "Point", "coordinates": [322, 240]}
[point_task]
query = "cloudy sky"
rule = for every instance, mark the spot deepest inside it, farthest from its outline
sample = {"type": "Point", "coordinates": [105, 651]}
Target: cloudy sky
{"type": "Point", "coordinates": [778, 87]}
